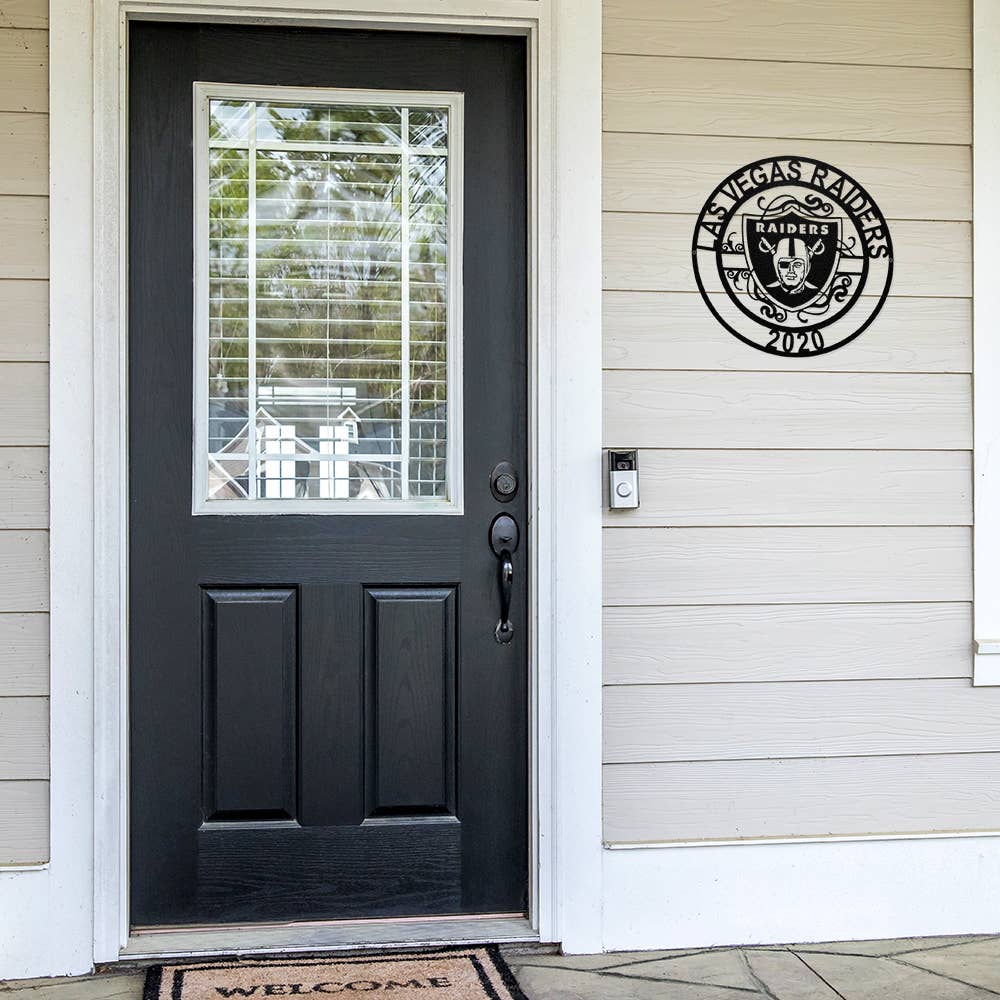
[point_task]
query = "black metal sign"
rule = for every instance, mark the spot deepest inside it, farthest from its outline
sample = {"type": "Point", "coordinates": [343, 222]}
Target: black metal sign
{"type": "Point", "coordinates": [792, 256]}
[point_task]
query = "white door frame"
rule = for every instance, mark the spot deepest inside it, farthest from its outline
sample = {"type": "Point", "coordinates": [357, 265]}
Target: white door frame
{"type": "Point", "coordinates": [88, 352]}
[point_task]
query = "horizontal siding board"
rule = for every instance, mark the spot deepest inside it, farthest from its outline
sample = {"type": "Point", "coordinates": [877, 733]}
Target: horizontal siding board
{"type": "Point", "coordinates": [677, 330]}
{"type": "Point", "coordinates": [676, 173]}
{"type": "Point", "coordinates": [24, 822]}
{"type": "Point", "coordinates": [893, 32]}
{"type": "Point", "coordinates": [651, 252]}
{"type": "Point", "coordinates": [689, 722]}
{"type": "Point", "coordinates": [740, 488]}
{"type": "Point", "coordinates": [24, 250]}
{"type": "Point", "coordinates": [24, 655]}
{"type": "Point", "coordinates": [24, 14]}
{"type": "Point", "coordinates": [24, 166]}
{"type": "Point", "coordinates": [24, 404]}
{"type": "Point", "coordinates": [780, 100]}
{"type": "Point", "coordinates": [24, 488]}
{"type": "Point", "coordinates": [24, 584]}
{"type": "Point", "coordinates": [654, 409]}
{"type": "Point", "coordinates": [24, 333]}
{"type": "Point", "coordinates": [666, 566]}
{"type": "Point", "coordinates": [802, 798]}
{"type": "Point", "coordinates": [24, 69]}
{"type": "Point", "coordinates": [24, 738]}
{"type": "Point", "coordinates": [778, 642]}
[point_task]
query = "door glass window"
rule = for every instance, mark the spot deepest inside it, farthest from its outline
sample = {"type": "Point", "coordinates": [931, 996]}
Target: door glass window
{"type": "Point", "coordinates": [328, 372]}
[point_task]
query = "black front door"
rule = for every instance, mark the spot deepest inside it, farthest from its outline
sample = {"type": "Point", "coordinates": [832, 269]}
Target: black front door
{"type": "Point", "coordinates": [327, 365]}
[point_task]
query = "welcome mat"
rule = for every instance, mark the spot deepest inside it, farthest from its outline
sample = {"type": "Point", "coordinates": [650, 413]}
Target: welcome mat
{"type": "Point", "coordinates": [441, 974]}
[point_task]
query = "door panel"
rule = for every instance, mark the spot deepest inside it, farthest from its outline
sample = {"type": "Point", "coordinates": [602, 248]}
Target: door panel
{"type": "Point", "coordinates": [249, 633]}
{"type": "Point", "coordinates": [323, 724]}
{"type": "Point", "coordinates": [410, 701]}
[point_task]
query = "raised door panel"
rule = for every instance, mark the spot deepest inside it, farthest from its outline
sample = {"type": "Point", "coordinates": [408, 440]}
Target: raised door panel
{"type": "Point", "coordinates": [410, 705]}
{"type": "Point", "coordinates": [249, 670]}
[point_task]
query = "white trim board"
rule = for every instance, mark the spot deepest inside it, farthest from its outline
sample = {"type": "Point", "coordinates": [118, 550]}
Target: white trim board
{"type": "Point", "coordinates": [773, 893]}
{"type": "Point", "coordinates": [46, 914]}
{"type": "Point", "coordinates": [61, 919]}
{"type": "Point", "coordinates": [986, 342]}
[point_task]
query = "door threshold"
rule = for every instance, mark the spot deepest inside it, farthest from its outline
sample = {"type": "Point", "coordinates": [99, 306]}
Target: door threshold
{"type": "Point", "coordinates": [341, 935]}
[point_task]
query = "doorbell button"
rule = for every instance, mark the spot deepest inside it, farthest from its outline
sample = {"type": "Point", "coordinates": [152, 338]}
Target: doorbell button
{"type": "Point", "coordinates": [623, 480]}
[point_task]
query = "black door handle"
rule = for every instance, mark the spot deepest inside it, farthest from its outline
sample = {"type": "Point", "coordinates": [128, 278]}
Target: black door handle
{"type": "Point", "coordinates": [504, 630]}
{"type": "Point", "coordinates": [504, 536]}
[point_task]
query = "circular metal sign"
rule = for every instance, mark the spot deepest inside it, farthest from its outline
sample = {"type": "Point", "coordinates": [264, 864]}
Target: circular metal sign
{"type": "Point", "coordinates": [792, 256]}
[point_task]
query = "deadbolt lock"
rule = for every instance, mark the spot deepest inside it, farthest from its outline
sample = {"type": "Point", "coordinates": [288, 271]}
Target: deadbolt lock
{"type": "Point", "coordinates": [503, 482]}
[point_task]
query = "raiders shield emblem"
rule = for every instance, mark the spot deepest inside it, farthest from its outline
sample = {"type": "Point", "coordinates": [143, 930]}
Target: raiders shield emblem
{"type": "Point", "coordinates": [792, 255]}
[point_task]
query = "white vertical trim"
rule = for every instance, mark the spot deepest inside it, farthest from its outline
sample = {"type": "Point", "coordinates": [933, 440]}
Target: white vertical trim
{"type": "Point", "coordinates": [454, 321]}
{"type": "Point", "coordinates": [58, 920]}
{"type": "Point", "coordinates": [574, 491]}
{"type": "Point", "coordinates": [404, 317]}
{"type": "Point", "coordinates": [253, 446]}
{"type": "Point", "coordinates": [986, 339]}
{"type": "Point", "coordinates": [46, 914]}
{"type": "Point", "coordinates": [201, 285]}
{"type": "Point", "coordinates": [109, 375]}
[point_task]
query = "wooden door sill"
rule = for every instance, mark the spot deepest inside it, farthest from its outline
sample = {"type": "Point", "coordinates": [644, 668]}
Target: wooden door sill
{"type": "Point", "coordinates": [339, 935]}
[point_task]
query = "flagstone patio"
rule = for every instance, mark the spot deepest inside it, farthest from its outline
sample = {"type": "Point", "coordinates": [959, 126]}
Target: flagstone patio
{"type": "Point", "coordinates": [958, 968]}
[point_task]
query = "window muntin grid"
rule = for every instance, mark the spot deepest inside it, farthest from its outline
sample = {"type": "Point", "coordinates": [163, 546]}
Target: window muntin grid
{"type": "Point", "coordinates": [332, 288]}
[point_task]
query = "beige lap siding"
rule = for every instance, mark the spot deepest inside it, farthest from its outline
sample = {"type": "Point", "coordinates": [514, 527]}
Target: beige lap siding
{"type": "Point", "coordinates": [787, 616]}
{"type": "Point", "coordinates": [24, 631]}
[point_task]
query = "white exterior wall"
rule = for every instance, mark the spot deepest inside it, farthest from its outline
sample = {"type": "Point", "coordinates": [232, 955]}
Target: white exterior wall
{"type": "Point", "coordinates": [788, 644]}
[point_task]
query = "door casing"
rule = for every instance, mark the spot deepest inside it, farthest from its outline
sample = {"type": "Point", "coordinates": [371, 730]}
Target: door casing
{"type": "Point", "coordinates": [565, 843]}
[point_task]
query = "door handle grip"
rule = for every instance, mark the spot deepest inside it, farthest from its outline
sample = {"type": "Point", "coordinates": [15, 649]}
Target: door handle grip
{"type": "Point", "coordinates": [504, 536]}
{"type": "Point", "coordinates": [504, 630]}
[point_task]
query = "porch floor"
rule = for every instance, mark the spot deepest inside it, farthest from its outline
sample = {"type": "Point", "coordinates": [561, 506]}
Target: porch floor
{"type": "Point", "coordinates": [957, 968]}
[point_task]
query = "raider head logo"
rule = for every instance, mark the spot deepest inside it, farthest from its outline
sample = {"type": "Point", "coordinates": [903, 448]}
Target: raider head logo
{"type": "Point", "coordinates": [792, 256]}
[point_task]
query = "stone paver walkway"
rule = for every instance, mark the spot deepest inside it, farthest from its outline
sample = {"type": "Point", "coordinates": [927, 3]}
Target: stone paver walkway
{"type": "Point", "coordinates": [960, 968]}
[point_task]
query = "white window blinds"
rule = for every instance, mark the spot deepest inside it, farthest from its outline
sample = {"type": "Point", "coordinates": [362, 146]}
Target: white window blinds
{"type": "Point", "coordinates": [328, 327]}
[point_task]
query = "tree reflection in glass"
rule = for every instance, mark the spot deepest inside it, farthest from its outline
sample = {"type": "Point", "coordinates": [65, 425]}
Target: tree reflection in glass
{"type": "Point", "coordinates": [328, 256]}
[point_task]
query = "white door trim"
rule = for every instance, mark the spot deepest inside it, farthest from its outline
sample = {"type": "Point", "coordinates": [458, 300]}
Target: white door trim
{"type": "Point", "coordinates": [985, 343]}
{"type": "Point", "coordinates": [88, 354]}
